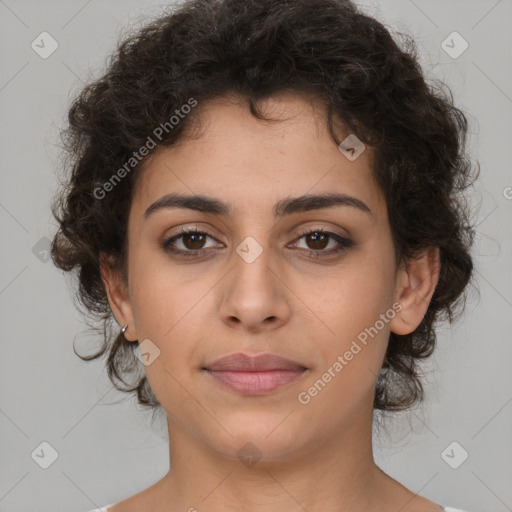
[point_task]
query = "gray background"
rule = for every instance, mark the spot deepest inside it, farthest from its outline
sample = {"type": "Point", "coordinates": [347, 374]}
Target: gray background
{"type": "Point", "coordinates": [107, 448]}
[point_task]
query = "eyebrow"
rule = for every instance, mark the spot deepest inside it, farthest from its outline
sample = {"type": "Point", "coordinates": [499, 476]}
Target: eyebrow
{"type": "Point", "coordinates": [284, 207]}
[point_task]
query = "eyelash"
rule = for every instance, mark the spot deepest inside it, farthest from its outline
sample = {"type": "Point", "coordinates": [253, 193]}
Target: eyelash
{"type": "Point", "coordinates": [345, 243]}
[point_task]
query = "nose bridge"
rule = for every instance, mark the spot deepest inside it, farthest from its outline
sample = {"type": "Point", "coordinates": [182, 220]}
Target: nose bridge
{"type": "Point", "coordinates": [253, 291]}
{"type": "Point", "coordinates": [252, 260]}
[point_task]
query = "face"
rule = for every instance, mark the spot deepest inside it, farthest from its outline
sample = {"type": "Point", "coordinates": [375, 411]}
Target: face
{"type": "Point", "coordinates": [253, 281]}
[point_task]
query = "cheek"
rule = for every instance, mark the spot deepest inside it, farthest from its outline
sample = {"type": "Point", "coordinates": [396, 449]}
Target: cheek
{"type": "Point", "coordinates": [353, 311]}
{"type": "Point", "coordinates": [168, 311]}
{"type": "Point", "coordinates": [166, 297]}
{"type": "Point", "coordinates": [172, 308]}
{"type": "Point", "coordinates": [351, 297]}
{"type": "Point", "coordinates": [349, 357]}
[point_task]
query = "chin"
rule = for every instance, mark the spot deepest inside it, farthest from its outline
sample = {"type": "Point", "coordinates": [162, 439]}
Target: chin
{"type": "Point", "coordinates": [260, 437]}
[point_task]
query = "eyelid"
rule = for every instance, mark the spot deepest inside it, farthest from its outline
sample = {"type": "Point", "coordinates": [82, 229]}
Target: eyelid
{"type": "Point", "coordinates": [322, 229]}
{"type": "Point", "coordinates": [299, 233]}
{"type": "Point", "coordinates": [184, 230]}
{"type": "Point", "coordinates": [210, 231]}
{"type": "Point", "coordinates": [340, 231]}
{"type": "Point", "coordinates": [343, 242]}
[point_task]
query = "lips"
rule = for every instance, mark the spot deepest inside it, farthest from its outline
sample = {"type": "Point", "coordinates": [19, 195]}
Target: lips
{"type": "Point", "coordinates": [254, 375]}
{"type": "Point", "coordinates": [260, 363]}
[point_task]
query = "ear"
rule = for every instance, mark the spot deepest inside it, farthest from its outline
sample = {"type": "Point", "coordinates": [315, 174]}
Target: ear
{"type": "Point", "coordinates": [118, 296]}
{"type": "Point", "coordinates": [415, 284]}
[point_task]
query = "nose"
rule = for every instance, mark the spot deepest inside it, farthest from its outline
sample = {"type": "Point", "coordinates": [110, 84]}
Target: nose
{"type": "Point", "coordinates": [255, 296]}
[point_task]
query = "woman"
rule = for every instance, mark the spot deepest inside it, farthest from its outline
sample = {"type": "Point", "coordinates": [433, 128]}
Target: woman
{"type": "Point", "coordinates": [265, 197]}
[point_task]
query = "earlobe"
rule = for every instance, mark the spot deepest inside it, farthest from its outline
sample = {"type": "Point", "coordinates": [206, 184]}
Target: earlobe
{"type": "Point", "coordinates": [415, 285]}
{"type": "Point", "coordinates": [117, 295]}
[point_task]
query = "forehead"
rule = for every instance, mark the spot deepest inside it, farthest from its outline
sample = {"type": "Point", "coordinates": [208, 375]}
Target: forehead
{"type": "Point", "coordinates": [246, 161]}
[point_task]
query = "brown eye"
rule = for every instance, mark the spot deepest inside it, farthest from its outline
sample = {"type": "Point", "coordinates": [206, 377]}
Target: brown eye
{"type": "Point", "coordinates": [319, 240]}
{"type": "Point", "coordinates": [193, 241]}
{"type": "Point", "coordinates": [317, 243]}
{"type": "Point", "coordinates": [189, 242]}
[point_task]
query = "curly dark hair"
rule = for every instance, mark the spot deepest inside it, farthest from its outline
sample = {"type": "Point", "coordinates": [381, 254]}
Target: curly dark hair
{"type": "Point", "coordinates": [328, 49]}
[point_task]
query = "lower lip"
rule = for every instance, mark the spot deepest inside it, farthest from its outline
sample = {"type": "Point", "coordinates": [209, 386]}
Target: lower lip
{"type": "Point", "coordinates": [255, 383]}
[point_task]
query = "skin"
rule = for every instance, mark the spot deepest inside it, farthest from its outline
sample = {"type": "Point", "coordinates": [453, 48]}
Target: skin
{"type": "Point", "coordinates": [285, 302]}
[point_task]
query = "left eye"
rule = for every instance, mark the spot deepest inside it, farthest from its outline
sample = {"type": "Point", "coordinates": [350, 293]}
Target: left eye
{"type": "Point", "coordinates": [320, 241]}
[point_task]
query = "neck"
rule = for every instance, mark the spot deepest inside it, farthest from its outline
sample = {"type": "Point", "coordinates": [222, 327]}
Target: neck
{"type": "Point", "coordinates": [335, 473]}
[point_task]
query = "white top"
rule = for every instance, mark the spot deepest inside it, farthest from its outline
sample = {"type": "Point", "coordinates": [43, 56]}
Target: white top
{"type": "Point", "coordinates": [105, 509]}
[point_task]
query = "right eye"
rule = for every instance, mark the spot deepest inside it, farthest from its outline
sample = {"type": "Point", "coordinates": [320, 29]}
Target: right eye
{"type": "Point", "coordinates": [192, 242]}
